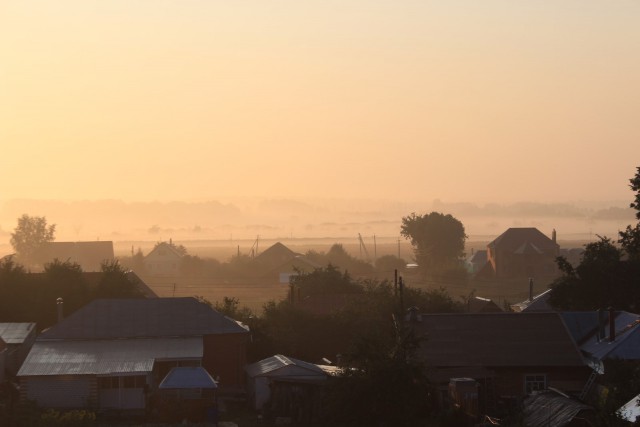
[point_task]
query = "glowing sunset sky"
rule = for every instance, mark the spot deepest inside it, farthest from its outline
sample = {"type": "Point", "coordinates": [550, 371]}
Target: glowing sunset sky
{"type": "Point", "coordinates": [187, 99]}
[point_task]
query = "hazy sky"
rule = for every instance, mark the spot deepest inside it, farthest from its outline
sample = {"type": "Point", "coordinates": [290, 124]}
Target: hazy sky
{"type": "Point", "coordinates": [197, 99]}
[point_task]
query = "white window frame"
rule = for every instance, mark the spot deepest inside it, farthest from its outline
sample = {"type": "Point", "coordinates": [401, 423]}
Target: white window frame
{"type": "Point", "coordinates": [534, 382]}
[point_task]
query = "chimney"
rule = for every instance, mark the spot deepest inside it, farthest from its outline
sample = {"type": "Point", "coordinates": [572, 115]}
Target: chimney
{"type": "Point", "coordinates": [60, 305]}
{"type": "Point", "coordinates": [530, 289]}
{"type": "Point", "coordinates": [612, 325]}
{"type": "Point", "coordinates": [601, 323]}
{"type": "Point", "coordinates": [553, 235]}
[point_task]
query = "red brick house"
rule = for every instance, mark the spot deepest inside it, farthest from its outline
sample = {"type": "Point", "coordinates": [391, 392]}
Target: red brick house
{"type": "Point", "coordinates": [521, 253]}
{"type": "Point", "coordinates": [112, 354]}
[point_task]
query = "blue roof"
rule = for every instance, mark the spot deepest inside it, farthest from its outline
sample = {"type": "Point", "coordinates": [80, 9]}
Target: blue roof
{"type": "Point", "coordinates": [187, 377]}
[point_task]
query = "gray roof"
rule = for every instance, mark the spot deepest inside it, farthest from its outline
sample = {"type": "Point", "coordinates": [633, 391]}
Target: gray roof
{"type": "Point", "coordinates": [549, 408]}
{"type": "Point", "coordinates": [15, 333]}
{"type": "Point", "coordinates": [105, 357]}
{"type": "Point", "coordinates": [626, 346]}
{"type": "Point", "coordinates": [271, 365]}
{"type": "Point", "coordinates": [188, 378]}
{"type": "Point", "coordinates": [143, 318]}
{"type": "Point", "coordinates": [497, 340]}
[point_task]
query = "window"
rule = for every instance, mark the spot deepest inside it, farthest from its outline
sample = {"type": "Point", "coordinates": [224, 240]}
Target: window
{"type": "Point", "coordinates": [534, 382]}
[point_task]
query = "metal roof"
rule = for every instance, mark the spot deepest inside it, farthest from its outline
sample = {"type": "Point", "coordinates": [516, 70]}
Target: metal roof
{"type": "Point", "coordinates": [105, 357]}
{"type": "Point", "coordinates": [272, 364]}
{"type": "Point", "coordinates": [15, 333]}
{"type": "Point", "coordinates": [142, 318]}
{"type": "Point", "coordinates": [550, 408]}
{"type": "Point", "coordinates": [496, 340]}
{"type": "Point", "coordinates": [188, 378]}
{"type": "Point", "coordinates": [626, 344]}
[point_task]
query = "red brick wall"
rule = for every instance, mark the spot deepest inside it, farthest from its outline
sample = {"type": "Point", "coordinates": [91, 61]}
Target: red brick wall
{"type": "Point", "coordinates": [225, 356]}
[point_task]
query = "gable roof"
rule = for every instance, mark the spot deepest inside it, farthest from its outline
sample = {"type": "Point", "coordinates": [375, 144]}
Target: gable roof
{"type": "Point", "coordinates": [15, 333]}
{"type": "Point", "coordinates": [141, 318]}
{"type": "Point", "coordinates": [276, 255]}
{"type": "Point", "coordinates": [272, 364]}
{"type": "Point", "coordinates": [497, 340]}
{"type": "Point", "coordinates": [524, 240]}
{"type": "Point", "coordinates": [163, 249]}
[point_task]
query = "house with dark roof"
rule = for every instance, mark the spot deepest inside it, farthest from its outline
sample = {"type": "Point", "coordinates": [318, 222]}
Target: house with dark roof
{"type": "Point", "coordinates": [509, 354]}
{"type": "Point", "coordinates": [89, 255]}
{"type": "Point", "coordinates": [521, 253]}
{"type": "Point", "coordinates": [113, 353]}
{"type": "Point", "coordinates": [278, 263]}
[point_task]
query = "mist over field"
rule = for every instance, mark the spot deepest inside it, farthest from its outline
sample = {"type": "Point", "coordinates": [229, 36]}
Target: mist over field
{"type": "Point", "coordinates": [340, 220]}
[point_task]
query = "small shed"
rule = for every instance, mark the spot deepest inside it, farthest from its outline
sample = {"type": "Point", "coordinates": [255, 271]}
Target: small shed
{"type": "Point", "coordinates": [261, 375]}
{"type": "Point", "coordinates": [19, 338]}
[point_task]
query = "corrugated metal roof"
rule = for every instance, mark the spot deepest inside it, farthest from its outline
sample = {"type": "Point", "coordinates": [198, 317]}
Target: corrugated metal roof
{"type": "Point", "coordinates": [106, 357]}
{"type": "Point", "coordinates": [497, 340]}
{"type": "Point", "coordinates": [142, 318]}
{"type": "Point", "coordinates": [549, 408]}
{"type": "Point", "coordinates": [15, 333]}
{"type": "Point", "coordinates": [188, 378]}
{"type": "Point", "coordinates": [274, 363]}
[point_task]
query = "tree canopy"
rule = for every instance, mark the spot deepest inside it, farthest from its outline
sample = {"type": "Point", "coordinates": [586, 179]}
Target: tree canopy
{"type": "Point", "coordinates": [607, 274]}
{"type": "Point", "coordinates": [29, 235]}
{"type": "Point", "coordinates": [437, 239]}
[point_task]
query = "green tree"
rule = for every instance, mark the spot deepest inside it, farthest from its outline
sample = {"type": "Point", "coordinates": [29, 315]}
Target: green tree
{"type": "Point", "coordinates": [29, 235]}
{"type": "Point", "coordinates": [383, 382]}
{"type": "Point", "coordinates": [437, 239]}
{"type": "Point", "coordinates": [115, 282]}
{"type": "Point", "coordinates": [630, 238]}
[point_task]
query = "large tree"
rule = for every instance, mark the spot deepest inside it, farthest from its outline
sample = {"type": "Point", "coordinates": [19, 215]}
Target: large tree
{"type": "Point", "coordinates": [608, 274]}
{"type": "Point", "coordinates": [29, 235]}
{"type": "Point", "coordinates": [437, 239]}
{"type": "Point", "coordinates": [630, 238]}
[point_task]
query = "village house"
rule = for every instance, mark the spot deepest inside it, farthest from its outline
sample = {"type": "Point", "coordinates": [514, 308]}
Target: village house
{"type": "Point", "coordinates": [113, 353]}
{"type": "Point", "coordinates": [521, 253]}
{"type": "Point", "coordinates": [508, 354]}
{"type": "Point", "coordinates": [163, 260]}
{"type": "Point", "coordinates": [278, 264]}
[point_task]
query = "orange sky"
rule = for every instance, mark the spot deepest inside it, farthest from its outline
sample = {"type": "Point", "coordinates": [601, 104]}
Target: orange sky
{"type": "Point", "coordinates": [200, 99]}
